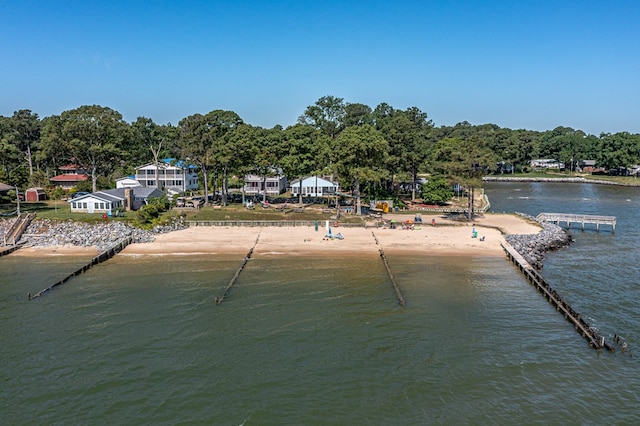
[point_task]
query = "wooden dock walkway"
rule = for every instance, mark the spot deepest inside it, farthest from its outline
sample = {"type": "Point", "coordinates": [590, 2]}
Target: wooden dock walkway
{"type": "Point", "coordinates": [595, 339]}
{"type": "Point", "coordinates": [105, 255]}
{"type": "Point", "coordinates": [582, 219]}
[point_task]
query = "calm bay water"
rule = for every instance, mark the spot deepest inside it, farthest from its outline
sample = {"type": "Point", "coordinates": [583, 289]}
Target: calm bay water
{"type": "Point", "coordinates": [139, 340]}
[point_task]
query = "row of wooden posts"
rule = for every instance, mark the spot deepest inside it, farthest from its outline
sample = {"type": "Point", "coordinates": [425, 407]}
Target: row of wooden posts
{"type": "Point", "coordinates": [594, 338]}
{"type": "Point", "coordinates": [103, 256]}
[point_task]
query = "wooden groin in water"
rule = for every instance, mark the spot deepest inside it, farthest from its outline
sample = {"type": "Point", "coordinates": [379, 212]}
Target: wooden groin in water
{"type": "Point", "coordinates": [391, 277]}
{"type": "Point", "coordinates": [595, 339]}
{"type": "Point", "coordinates": [103, 256]}
{"type": "Point", "coordinates": [237, 274]}
{"type": "Point", "coordinates": [582, 219]}
{"type": "Point", "coordinates": [10, 249]}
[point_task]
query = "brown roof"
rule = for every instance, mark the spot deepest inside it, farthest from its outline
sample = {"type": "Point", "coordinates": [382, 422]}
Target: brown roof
{"type": "Point", "coordinates": [69, 178]}
{"type": "Point", "coordinates": [4, 187]}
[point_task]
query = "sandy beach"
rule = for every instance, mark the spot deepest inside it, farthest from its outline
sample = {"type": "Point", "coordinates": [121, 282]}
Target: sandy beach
{"type": "Point", "coordinates": [450, 238]}
{"type": "Point", "coordinates": [446, 238]}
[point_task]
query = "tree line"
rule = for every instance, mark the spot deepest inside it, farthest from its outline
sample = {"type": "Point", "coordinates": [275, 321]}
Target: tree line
{"type": "Point", "coordinates": [370, 151]}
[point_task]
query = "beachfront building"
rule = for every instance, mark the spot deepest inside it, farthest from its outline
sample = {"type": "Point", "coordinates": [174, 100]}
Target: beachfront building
{"type": "Point", "coordinates": [170, 174]}
{"type": "Point", "coordinates": [313, 186]}
{"type": "Point", "coordinates": [112, 200]}
{"type": "Point", "coordinates": [70, 175]}
{"type": "Point", "coordinates": [256, 184]}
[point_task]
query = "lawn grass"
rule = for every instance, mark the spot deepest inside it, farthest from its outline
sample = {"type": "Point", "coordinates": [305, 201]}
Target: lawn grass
{"type": "Point", "coordinates": [61, 210]}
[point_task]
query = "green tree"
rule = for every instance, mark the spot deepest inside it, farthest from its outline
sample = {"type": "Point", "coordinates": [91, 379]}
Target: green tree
{"type": "Point", "coordinates": [233, 153]}
{"type": "Point", "coordinates": [437, 190]}
{"type": "Point", "coordinates": [92, 136]}
{"type": "Point", "coordinates": [407, 134]}
{"type": "Point", "coordinates": [327, 114]}
{"type": "Point", "coordinates": [201, 137]}
{"type": "Point", "coordinates": [463, 162]}
{"type": "Point", "coordinates": [10, 163]}
{"type": "Point", "coordinates": [357, 115]}
{"type": "Point", "coordinates": [26, 128]}
{"type": "Point", "coordinates": [305, 149]}
{"type": "Point", "coordinates": [359, 156]}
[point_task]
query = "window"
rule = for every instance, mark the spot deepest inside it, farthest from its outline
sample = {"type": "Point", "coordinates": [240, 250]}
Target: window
{"type": "Point", "coordinates": [84, 206]}
{"type": "Point", "coordinates": [73, 204]}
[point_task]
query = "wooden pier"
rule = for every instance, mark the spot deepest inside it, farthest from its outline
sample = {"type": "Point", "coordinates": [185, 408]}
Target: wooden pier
{"type": "Point", "coordinates": [391, 277]}
{"type": "Point", "coordinates": [105, 255]}
{"type": "Point", "coordinates": [582, 219]}
{"type": "Point", "coordinates": [595, 339]}
{"type": "Point", "coordinates": [237, 274]}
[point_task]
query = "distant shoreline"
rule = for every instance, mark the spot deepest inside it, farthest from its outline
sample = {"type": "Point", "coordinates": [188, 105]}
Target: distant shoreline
{"type": "Point", "coordinates": [556, 180]}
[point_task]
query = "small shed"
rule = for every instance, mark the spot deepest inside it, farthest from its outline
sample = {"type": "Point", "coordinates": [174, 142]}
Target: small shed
{"type": "Point", "coordinates": [35, 194]}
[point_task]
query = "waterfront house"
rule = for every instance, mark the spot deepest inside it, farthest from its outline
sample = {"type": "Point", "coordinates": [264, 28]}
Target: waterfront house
{"type": "Point", "coordinates": [547, 163]}
{"type": "Point", "coordinates": [112, 200]}
{"type": "Point", "coordinates": [587, 166]}
{"type": "Point", "coordinates": [313, 186]}
{"type": "Point", "coordinates": [70, 175]}
{"type": "Point", "coordinates": [170, 174]}
{"type": "Point", "coordinates": [256, 184]}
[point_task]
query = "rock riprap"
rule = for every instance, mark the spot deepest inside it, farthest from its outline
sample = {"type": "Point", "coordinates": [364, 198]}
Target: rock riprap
{"type": "Point", "coordinates": [45, 233]}
{"type": "Point", "coordinates": [534, 246]}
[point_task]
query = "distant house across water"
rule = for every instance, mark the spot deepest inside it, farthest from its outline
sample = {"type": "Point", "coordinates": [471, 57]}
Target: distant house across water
{"type": "Point", "coordinates": [547, 163]}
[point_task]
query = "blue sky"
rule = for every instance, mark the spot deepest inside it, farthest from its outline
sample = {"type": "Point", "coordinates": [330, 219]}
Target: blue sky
{"type": "Point", "coordinates": [518, 64]}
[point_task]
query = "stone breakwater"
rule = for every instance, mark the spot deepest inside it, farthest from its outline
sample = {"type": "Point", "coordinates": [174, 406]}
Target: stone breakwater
{"type": "Point", "coordinates": [5, 225]}
{"type": "Point", "coordinates": [46, 233]}
{"type": "Point", "coordinates": [532, 247]}
{"type": "Point", "coordinates": [556, 180]}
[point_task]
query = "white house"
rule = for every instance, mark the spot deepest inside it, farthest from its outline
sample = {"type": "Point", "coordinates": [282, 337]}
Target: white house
{"type": "Point", "coordinates": [255, 184]}
{"type": "Point", "coordinates": [112, 200]}
{"type": "Point", "coordinates": [172, 175]}
{"type": "Point", "coordinates": [313, 186]}
{"type": "Point", "coordinates": [127, 182]}
{"type": "Point", "coordinates": [546, 163]}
